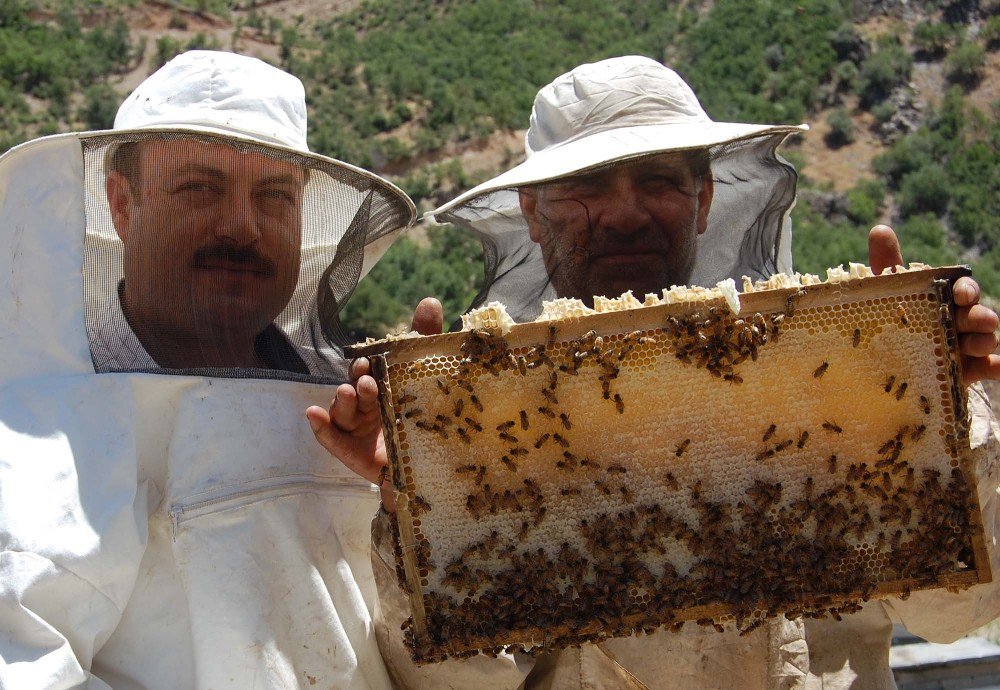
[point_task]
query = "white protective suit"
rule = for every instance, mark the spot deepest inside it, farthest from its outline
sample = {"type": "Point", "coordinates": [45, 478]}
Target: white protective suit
{"type": "Point", "coordinates": [158, 531]}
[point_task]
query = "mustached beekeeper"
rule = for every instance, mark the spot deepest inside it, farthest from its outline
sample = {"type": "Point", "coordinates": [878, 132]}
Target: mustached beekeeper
{"type": "Point", "coordinates": [171, 291]}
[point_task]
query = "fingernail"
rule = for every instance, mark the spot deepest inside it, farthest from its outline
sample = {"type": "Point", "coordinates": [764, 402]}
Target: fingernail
{"type": "Point", "coordinates": [313, 424]}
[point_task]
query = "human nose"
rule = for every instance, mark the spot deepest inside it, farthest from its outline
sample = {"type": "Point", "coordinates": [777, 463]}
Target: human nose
{"type": "Point", "coordinates": [237, 222]}
{"type": "Point", "coordinates": [623, 208]}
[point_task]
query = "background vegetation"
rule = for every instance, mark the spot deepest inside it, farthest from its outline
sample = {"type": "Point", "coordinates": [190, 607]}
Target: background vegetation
{"type": "Point", "coordinates": [403, 87]}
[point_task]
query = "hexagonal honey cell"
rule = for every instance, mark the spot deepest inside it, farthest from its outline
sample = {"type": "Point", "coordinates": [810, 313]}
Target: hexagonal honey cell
{"type": "Point", "coordinates": [607, 473]}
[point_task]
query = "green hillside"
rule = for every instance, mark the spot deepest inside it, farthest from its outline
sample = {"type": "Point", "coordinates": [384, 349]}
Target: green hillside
{"type": "Point", "coordinates": [402, 87]}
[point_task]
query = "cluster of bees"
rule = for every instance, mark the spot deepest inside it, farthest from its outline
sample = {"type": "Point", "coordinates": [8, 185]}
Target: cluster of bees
{"type": "Point", "coordinates": [780, 549]}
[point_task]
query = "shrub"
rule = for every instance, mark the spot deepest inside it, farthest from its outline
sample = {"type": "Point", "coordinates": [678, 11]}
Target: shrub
{"type": "Point", "coordinates": [883, 71]}
{"type": "Point", "coordinates": [883, 112]}
{"type": "Point", "coordinates": [934, 38]}
{"type": "Point", "coordinates": [100, 106]}
{"type": "Point", "coordinates": [842, 130]}
{"type": "Point", "coordinates": [965, 64]}
{"type": "Point", "coordinates": [864, 201]}
{"type": "Point", "coordinates": [925, 190]}
{"type": "Point", "coordinates": [990, 33]}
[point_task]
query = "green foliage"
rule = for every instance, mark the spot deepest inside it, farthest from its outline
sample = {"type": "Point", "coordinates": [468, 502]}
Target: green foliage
{"type": "Point", "coordinates": [883, 70]}
{"type": "Point", "coordinates": [763, 60]}
{"type": "Point", "coordinates": [934, 38]}
{"type": "Point", "coordinates": [447, 266]}
{"type": "Point", "coordinates": [965, 64]}
{"type": "Point", "coordinates": [865, 201]}
{"type": "Point", "coordinates": [922, 238]}
{"type": "Point", "coordinates": [924, 190]}
{"type": "Point", "coordinates": [484, 75]}
{"type": "Point", "coordinates": [100, 106]}
{"type": "Point", "coordinates": [842, 130]}
{"type": "Point", "coordinates": [990, 33]}
{"type": "Point", "coordinates": [51, 61]}
{"type": "Point", "coordinates": [818, 243]}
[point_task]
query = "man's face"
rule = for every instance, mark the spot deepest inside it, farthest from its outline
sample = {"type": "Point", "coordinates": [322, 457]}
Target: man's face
{"type": "Point", "coordinates": [633, 226]}
{"type": "Point", "coordinates": [211, 240]}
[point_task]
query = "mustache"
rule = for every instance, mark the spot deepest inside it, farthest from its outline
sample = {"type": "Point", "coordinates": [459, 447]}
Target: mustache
{"type": "Point", "coordinates": [247, 257]}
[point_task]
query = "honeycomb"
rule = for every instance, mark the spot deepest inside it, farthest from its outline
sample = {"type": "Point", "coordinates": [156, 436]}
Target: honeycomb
{"type": "Point", "coordinates": [610, 471]}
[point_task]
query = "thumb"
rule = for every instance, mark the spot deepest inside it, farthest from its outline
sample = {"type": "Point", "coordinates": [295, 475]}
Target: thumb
{"type": "Point", "coordinates": [883, 249]}
{"type": "Point", "coordinates": [428, 317]}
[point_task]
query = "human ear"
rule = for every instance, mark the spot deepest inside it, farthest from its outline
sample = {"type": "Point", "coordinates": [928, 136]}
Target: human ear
{"type": "Point", "coordinates": [119, 193]}
{"type": "Point", "coordinates": [705, 201]}
{"type": "Point", "coordinates": [528, 199]}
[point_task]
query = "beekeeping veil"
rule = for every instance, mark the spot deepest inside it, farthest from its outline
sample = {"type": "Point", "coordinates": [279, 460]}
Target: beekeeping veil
{"type": "Point", "coordinates": [171, 530]}
{"type": "Point", "coordinates": [214, 238]}
{"type": "Point", "coordinates": [620, 111]}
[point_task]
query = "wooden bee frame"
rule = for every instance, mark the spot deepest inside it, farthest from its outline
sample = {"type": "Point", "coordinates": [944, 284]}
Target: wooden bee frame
{"type": "Point", "coordinates": [597, 476]}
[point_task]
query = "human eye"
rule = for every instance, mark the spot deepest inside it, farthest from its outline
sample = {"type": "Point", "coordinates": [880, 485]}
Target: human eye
{"type": "Point", "coordinates": [276, 200]}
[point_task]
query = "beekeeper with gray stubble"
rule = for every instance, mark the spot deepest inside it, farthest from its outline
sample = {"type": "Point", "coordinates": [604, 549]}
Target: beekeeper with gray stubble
{"type": "Point", "coordinates": [170, 298]}
{"type": "Point", "coordinates": [628, 185]}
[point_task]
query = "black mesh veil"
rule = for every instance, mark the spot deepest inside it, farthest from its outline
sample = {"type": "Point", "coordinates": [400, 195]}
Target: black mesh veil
{"type": "Point", "coordinates": [748, 230]}
{"type": "Point", "coordinates": [211, 255]}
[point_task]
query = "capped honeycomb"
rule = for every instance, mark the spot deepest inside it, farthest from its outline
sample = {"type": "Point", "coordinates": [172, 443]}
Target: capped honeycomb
{"type": "Point", "coordinates": [610, 471]}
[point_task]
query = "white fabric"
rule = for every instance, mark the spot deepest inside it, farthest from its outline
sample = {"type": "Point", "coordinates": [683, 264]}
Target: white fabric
{"type": "Point", "coordinates": [221, 92]}
{"type": "Point", "coordinates": [158, 531]}
{"type": "Point", "coordinates": [612, 111]}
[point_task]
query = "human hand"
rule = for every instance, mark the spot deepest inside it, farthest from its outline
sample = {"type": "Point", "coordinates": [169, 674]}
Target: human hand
{"type": "Point", "coordinates": [351, 429]}
{"type": "Point", "coordinates": [976, 323]}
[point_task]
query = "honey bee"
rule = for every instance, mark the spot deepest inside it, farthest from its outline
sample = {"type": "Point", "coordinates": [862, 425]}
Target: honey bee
{"type": "Point", "coordinates": [769, 433]}
{"type": "Point", "coordinates": [901, 312]}
{"type": "Point", "coordinates": [901, 391]}
{"type": "Point", "coordinates": [784, 445]}
{"type": "Point", "coordinates": [619, 404]}
{"type": "Point", "coordinates": [459, 404]}
{"type": "Point", "coordinates": [383, 475]}
{"type": "Point", "coordinates": [857, 337]}
{"type": "Point", "coordinates": [672, 482]}
{"type": "Point", "coordinates": [558, 438]}
{"type": "Point", "coordinates": [505, 426]}
{"type": "Point", "coordinates": [802, 440]}
{"type": "Point", "coordinates": [918, 432]}
{"type": "Point", "coordinates": [564, 418]}
{"type": "Point", "coordinates": [442, 420]}
{"type": "Point", "coordinates": [626, 494]}
{"type": "Point", "coordinates": [480, 475]}
{"type": "Point", "coordinates": [682, 446]}
{"type": "Point", "coordinates": [602, 487]}
{"type": "Point", "coordinates": [518, 451]}
{"type": "Point", "coordinates": [832, 426]}
{"type": "Point", "coordinates": [463, 469]}
{"type": "Point", "coordinates": [547, 412]}
{"type": "Point", "coordinates": [889, 383]}
{"type": "Point", "coordinates": [406, 399]}
{"type": "Point", "coordinates": [419, 506]}
{"type": "Point", "coordinates": [820, 370]}
{"type": "Point", "coordinates": [570, 492]}
{"type": "Point", "coordinates": [473, 424]}
{"type": "Point", "coordinates": [553, 380]}
{"type": "Point", "coordinates": [733, 378]}
{"type": "Point", "coordinates": [475, 403]}
{"type": "Point", "coordinates": [550, 396]}
{"type": "Point", "coordinates": [504, 436]}
{"type": "Point", "coordinates": [443, 387]}
{"type": "Point", "coordinates": [925, 404]}
{"type": "Point", "coordinates": [464, 435]}
{"type": "Point", "coordinates": [616, 469]}
{"type": "Point", "coordinates": [524, 420]}
{"type": "Point", "coordinates": [832, 464]}
{"type": "Point", "coordinates": [415, 412]}
{"type": "Point", "coordinates": [541, 439]}
{"type": "Point", "coordinates": [508, 463]}
{"type": "Point", "coordinates": [426, 426]}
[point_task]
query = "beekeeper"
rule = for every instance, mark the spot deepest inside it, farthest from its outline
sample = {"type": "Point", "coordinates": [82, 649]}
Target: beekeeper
{"type": "Point", "coordinates": [172, 524]}
{"type": "Point", "coordinates": [629, 185]}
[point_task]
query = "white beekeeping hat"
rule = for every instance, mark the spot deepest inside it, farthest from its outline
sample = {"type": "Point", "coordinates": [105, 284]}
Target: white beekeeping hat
{"type": "Point", "coordinates": [621, 110]}
{"type": "Point", "coordinates": [251, 117]}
